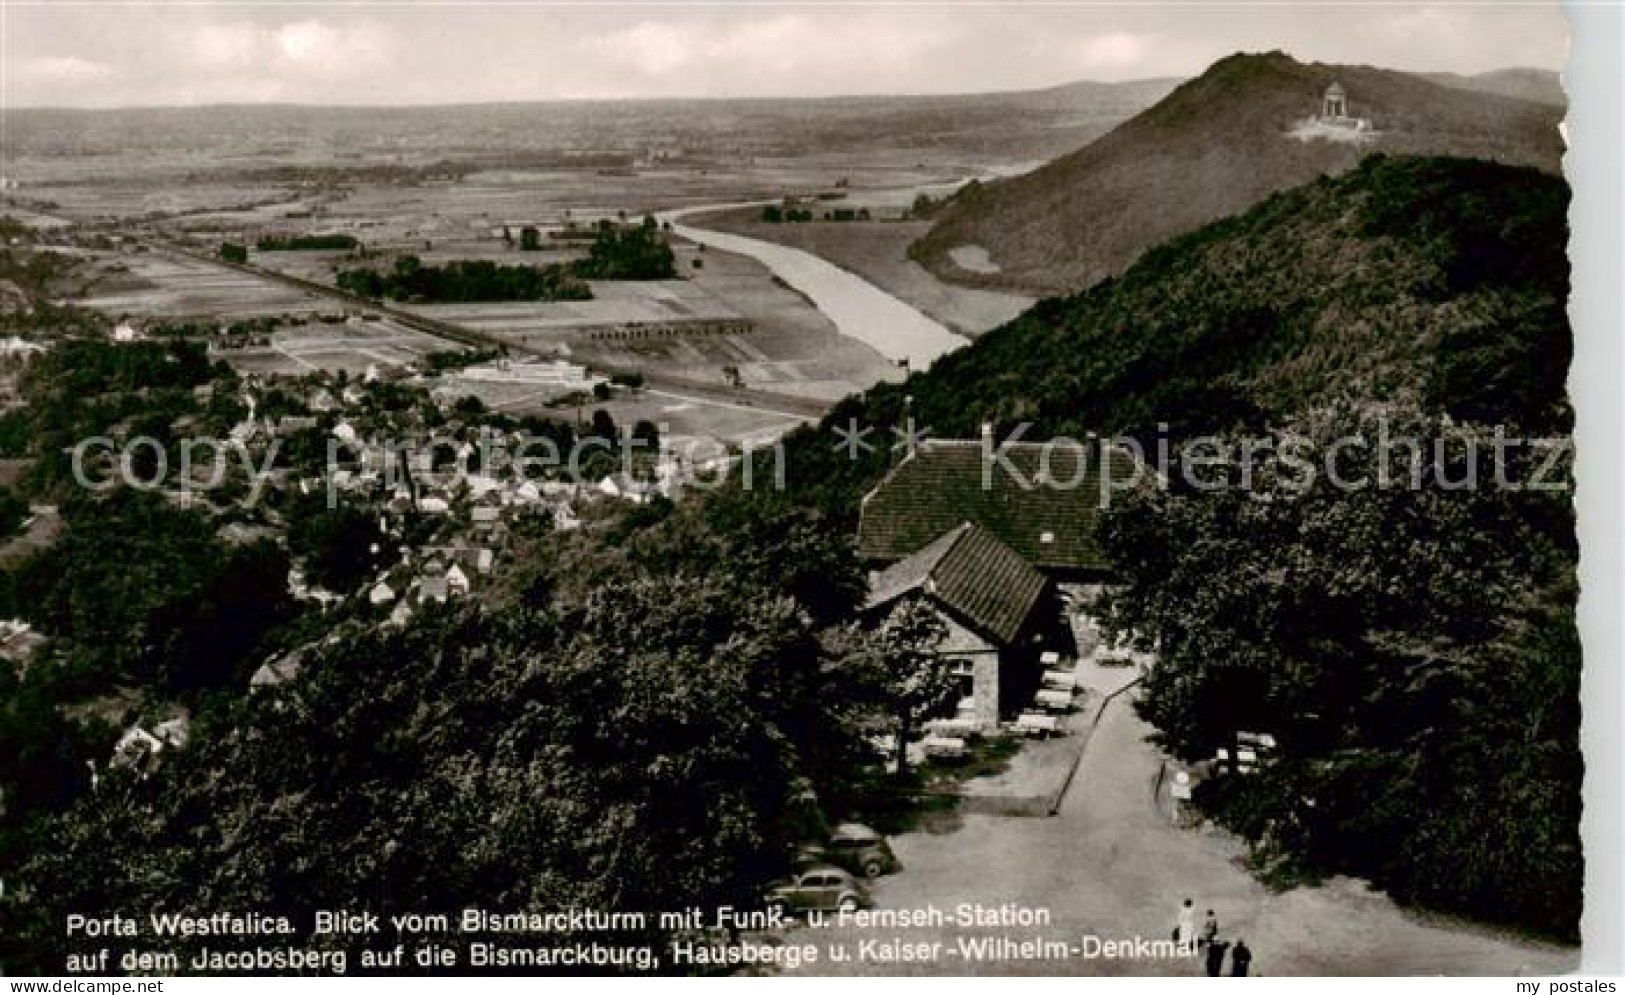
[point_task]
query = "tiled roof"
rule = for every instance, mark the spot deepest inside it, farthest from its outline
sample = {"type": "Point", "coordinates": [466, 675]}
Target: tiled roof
{"type": "Point", "coordinates": [978, 578]}
{"type": "Point", "coordinates": [944, 483]}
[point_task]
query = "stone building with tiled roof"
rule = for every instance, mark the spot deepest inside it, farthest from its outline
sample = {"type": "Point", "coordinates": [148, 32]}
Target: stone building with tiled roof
{"type": "Point", "coordinates": [986, 584]}
{"type": "Point", "coordinates": [1039, 499]}
{"type": "Point", "coordinates": [993, 603]}
{"type": "Point", "coordinates": [985, 532]}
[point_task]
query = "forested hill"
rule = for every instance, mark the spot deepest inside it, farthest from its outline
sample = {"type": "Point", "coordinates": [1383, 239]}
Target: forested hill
{"type": "Point", "coordinates": [1442, 281]}
{"type": "Point", "coordinates": [1413, 648]}
{"type": "Point", "coordinates": [1217, 145]}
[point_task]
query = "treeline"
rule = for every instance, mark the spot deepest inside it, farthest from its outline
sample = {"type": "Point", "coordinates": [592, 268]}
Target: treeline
{"type": "Point", "coordinates": [260, 326]}
{"type": "Point", "coordinates": [290, 243]}
{"type": "Point", "coordinates": [627, 252]}
{"type": "Point", "coordinates": [443, 362]}
{"type": "Point", "coordinates": [463, 281]}
{"type": "Point", "coordinates": [775, 214]}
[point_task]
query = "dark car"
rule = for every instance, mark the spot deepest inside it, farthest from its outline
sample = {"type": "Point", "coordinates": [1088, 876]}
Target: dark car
{"type": "Point", "coordinates": [857, 848]}
{"type": "Point", "coordinates": [821, 888]}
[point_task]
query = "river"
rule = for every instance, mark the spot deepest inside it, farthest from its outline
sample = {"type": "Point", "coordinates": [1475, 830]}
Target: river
{"type": "Point", "coordinates": [858, 308]}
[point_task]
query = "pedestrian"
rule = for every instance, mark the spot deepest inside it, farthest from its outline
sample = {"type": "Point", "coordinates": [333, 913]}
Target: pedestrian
{"type": "Point", "coordinates": [1210, 929]}
{"type": "Point", "coordinates": [1215, 957]}
{"type": "Point", "coordinates": [1185, 930]}
{"type": "Point", "coordinates": [1240, 960]}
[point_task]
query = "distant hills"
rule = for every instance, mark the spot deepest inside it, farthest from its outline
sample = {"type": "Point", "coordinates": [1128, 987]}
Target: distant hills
{"type": "Point", "coordinates": [1217, 145]}
{"type": "Point", "coordinates": [991, 127]}
{"type": "Point", "coordinates": [1540, 85]}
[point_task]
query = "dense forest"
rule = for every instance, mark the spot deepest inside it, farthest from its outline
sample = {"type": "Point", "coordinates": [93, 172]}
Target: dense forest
{"type": "Point", "coordinates": [85, 387]}
{"type": "Point", "coordinates": [641, 719]}
{"type": "Point", "coordinates": [1413, 651]}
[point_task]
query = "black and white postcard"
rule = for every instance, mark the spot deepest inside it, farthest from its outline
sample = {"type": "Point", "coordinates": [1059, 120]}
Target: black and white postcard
{"type": "Point", "coordinates": [814, 489]}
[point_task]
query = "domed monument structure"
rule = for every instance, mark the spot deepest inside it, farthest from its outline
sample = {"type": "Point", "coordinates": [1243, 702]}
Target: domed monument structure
{"type": "Point", "coordinates": [1334, 104]}
{"type": "Point", "coordinates": [1334, 122]}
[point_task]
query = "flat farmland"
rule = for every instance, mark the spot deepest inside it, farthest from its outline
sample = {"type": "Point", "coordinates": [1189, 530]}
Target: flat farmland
{"type": "Point", "coordinates": [677, 413]}
{"type": "Point", "coordinates": [265, 215]}
{"type": "Point", "coordinates": [160, 284]}
{"type": "Point", "coordinates": [322, 265]}
{"type": "Point", "coordinates": [791, 348]}
{"type": "Point", "coordinates": [538, 324]}
{"type": "Point", "coordinates": [318, 266]}
{"type": "Point", "coordinates": [543, 196]}
{"type": "Point", "coordinates": [127, 197]}
{"type": "Point", "coordinates": [349, 346]}
{"type": "Point", "coordinates": [512, 398]}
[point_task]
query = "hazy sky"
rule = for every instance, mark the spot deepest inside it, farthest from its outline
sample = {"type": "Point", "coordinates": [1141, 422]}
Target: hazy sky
{"type": "Point", "coordinates": [67, 53]}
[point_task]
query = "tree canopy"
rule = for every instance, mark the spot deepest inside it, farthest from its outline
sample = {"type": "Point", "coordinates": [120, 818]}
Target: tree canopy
{"type": "Point", "coordinates": [1412, 650]}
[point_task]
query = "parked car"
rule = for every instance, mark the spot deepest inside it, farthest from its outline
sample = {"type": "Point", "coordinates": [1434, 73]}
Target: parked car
{"type": "Point", "coordinates": [859, 849]}
{"type": "Point", "coordinates": [821, 888]}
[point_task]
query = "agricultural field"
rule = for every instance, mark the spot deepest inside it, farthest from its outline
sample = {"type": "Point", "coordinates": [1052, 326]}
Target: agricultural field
{"type": "Point", "coordinates": [614, 305]}
{"type": "Point", "coordinates": [791, 348]}
{"type": "Point", "coordinates": [166, 285]}
{"type": "Point", "coordinates": [756, 332]}
{"type": "Point", "coordinates": [794, 348]}
{"type": "Point", "coordinates": [674, 412]}
{"type": "Point", "coordinates": [126, 197]}
{"type": "Point", "coordinates": [551, 197]}
{"type": "Point", "coordinates": [352, 346]}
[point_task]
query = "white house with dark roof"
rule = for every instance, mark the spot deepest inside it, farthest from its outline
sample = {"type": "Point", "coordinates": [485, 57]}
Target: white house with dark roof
{"type": "Point", "coordinates": [457, 581]}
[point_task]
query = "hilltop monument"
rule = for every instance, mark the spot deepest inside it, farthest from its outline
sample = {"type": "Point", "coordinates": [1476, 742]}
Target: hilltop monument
{"type": "Point", "coordinates": [1335, 103]}
{"type": "Point", "coordinates": [1334, 110]}
{"type": "Point", "coordinates": [1334, 122]}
